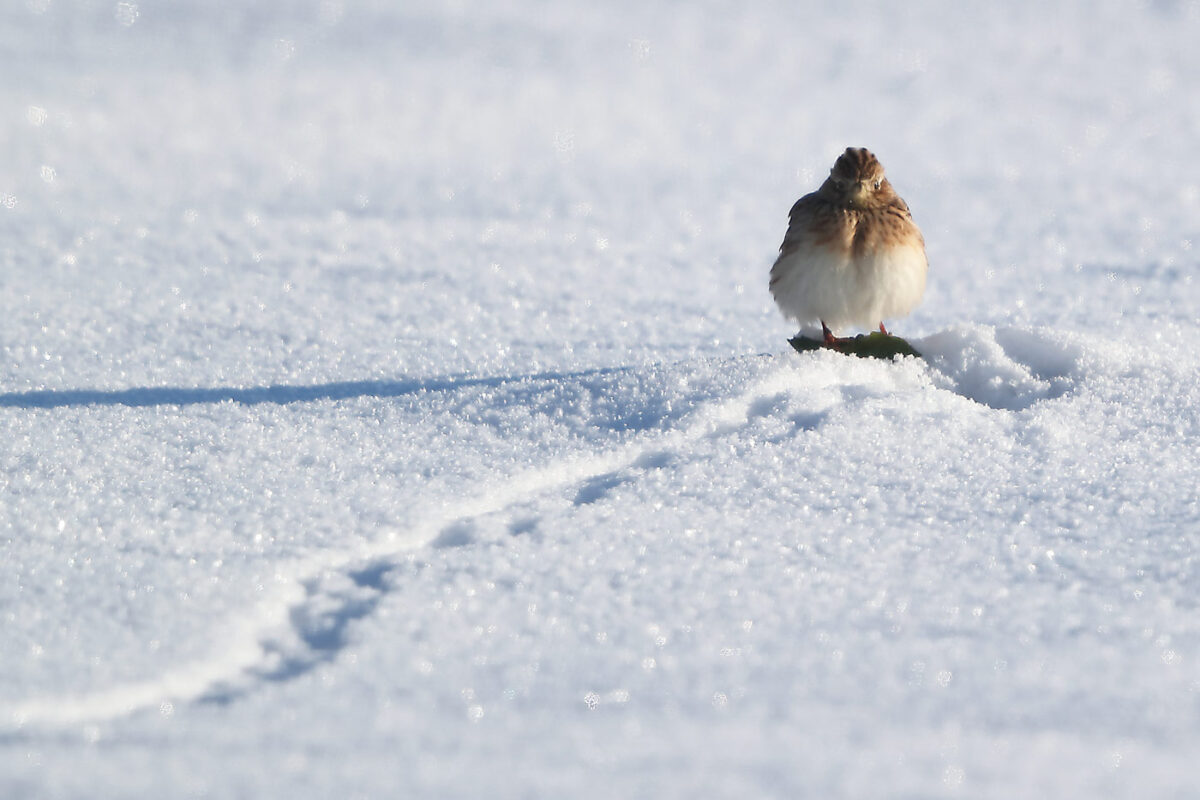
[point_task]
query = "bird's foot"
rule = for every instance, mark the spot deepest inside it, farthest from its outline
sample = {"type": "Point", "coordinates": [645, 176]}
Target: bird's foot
{"type": "Point", "coordinates": [831, 341]}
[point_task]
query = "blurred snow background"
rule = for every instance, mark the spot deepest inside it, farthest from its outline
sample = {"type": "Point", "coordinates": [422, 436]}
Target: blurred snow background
{"type": "Point", "coordinates": [393, 404]}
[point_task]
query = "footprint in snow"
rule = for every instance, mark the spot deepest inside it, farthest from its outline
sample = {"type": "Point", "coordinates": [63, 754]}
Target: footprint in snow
{"type": "Point", "coordinates": [599, 486]}
{"type": "Point", "coordinates": [1005, 369]}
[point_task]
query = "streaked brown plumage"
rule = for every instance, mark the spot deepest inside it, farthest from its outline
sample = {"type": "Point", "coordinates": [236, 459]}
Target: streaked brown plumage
{"type": "Point", "coordinates": [852, 255]}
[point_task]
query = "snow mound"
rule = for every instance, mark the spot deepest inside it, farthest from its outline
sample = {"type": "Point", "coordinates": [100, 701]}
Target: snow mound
{"type": "Point", "coordinates": [1007, 369]}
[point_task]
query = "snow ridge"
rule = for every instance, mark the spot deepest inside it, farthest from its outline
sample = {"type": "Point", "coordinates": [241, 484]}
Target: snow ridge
{"type": "Point", "coordinates": [304, 620]}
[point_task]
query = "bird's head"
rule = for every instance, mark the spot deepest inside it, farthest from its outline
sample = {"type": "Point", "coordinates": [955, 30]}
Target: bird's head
{"type": "Point", "coordinates": [857, 180]}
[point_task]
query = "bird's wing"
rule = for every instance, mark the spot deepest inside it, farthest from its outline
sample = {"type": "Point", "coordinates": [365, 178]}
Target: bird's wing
{"type": "Point", "coordinates": [899, 203]}
{"type": "Point", "coordinates": [900, 208]}
{"type": "Point", "coordinates": [799, 221]}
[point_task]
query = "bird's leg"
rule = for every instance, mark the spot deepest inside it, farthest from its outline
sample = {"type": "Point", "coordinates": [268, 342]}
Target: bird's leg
{"type": "Point", "coordinates": [883, 330]}
{"type": "Point", "coordinates": [835, 342]}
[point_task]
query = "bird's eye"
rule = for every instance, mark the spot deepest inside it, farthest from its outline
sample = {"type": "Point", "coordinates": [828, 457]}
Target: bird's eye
{"type": "Point", "coordinates": [877, 184]}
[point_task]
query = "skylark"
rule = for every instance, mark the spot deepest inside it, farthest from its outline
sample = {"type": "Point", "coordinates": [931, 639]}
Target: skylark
{"type": "Point", "coordinates": [852, 255]}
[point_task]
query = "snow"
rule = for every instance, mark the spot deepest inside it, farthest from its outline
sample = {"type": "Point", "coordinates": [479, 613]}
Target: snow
{"type": "Point", "coordinates": [394, 406]}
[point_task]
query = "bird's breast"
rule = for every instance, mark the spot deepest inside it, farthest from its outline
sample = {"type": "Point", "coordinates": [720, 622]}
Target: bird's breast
{"type": "Point", "coordinates": [836, 230]}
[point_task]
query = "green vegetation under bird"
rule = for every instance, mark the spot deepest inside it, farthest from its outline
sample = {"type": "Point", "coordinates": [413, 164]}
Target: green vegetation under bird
{"type": "Point", "coordinates": [871, 345]}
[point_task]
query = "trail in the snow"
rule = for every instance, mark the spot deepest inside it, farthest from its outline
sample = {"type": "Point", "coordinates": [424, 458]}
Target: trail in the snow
{"type": "Point", "coordinates": [304, 619]}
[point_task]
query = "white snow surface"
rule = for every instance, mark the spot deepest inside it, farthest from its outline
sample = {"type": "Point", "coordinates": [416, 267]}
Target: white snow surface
{"type": "Point", "coordinates": [393, 405]}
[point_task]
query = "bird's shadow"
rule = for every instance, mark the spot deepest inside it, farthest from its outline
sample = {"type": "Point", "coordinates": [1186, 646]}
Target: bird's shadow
{"type": "Point", "coordinates": [277, 394]}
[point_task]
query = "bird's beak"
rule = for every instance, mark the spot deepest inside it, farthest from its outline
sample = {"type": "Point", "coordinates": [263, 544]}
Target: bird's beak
{"type": "Point", "coordinates": [859, 192]}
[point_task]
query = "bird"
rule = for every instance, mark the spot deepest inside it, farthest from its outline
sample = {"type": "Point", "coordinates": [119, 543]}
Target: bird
{"type": "Point", "coordinates": [852, 255]}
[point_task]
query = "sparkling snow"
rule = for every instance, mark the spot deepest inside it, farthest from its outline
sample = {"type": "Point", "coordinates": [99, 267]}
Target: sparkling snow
{"type": "Point", "coordinates": [393, 404]}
